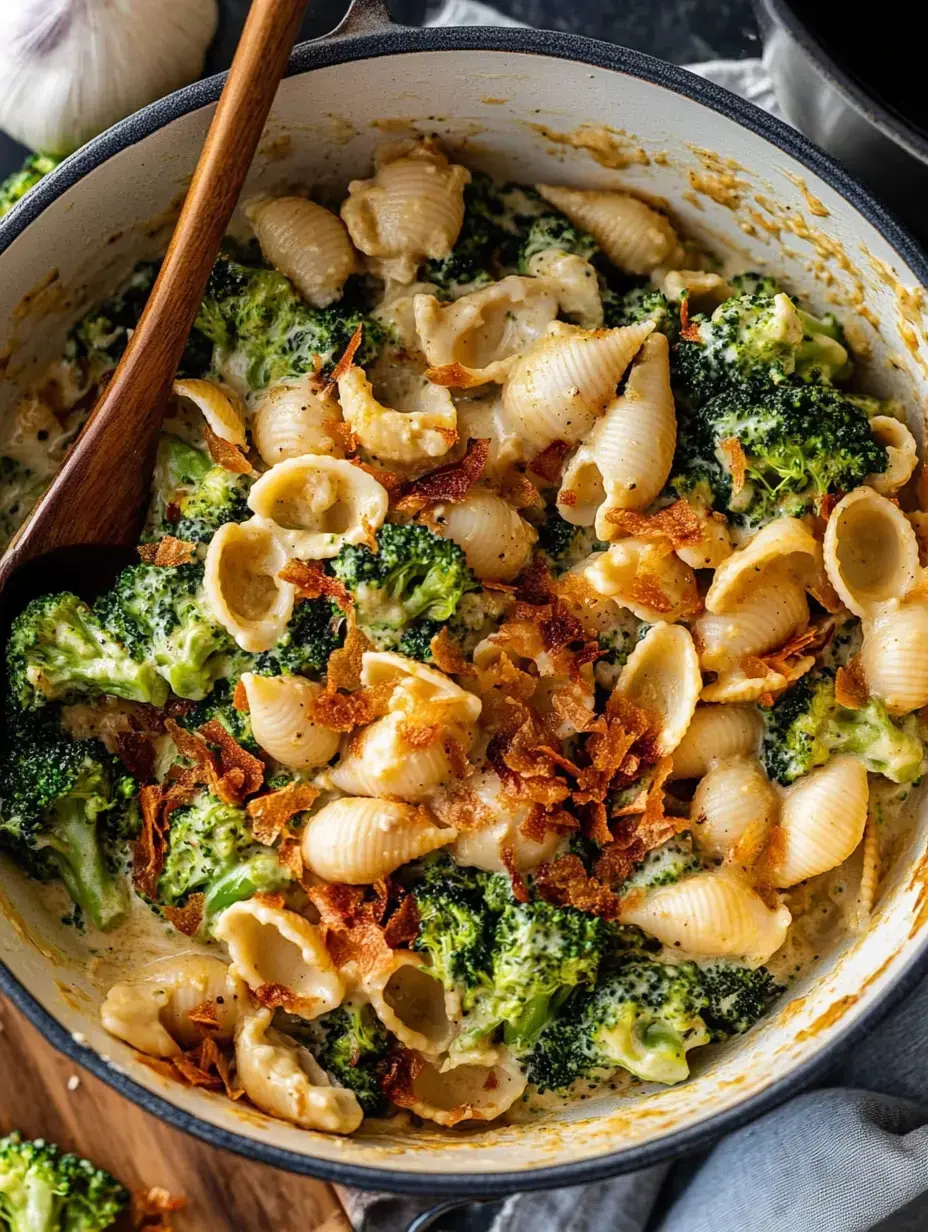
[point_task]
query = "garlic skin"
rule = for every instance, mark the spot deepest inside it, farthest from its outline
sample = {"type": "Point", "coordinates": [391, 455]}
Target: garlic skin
{"type": "Point", "coordinates": [71, 68]}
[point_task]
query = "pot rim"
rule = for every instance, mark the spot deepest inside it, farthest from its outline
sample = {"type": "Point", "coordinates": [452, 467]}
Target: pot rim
{"type": "Point", "coordinates": [892, 124]}
{"type": "Point", "coordinates": [401, 41]}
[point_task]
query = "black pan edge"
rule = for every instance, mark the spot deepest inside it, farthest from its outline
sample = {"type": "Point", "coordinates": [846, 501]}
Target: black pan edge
{"type": "Point", "coordinates": [889, 122]}
{"type": "Point", "coordinates": [632, 63]}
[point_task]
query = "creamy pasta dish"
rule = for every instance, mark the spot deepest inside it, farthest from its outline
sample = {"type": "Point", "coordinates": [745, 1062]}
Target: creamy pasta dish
{"type": "Point", "coordinates": [522, 669]}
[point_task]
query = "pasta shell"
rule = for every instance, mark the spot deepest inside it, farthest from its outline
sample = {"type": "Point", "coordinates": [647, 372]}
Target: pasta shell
{"type": "Point", "coordinates": [316, 504]}
{"type": "Point", "coordinates": [662, 677]}
{"type": "Point", "coordinates": [710, 915]}
{"type": "Point", "coordinates": [821, 822]}
{"type": "Point", "coordinates": [292, 419]}
{"type": "Point", "coordinates": [396, 309]}
{"type": "Point", "coordinates": [306, 242]}
{"type": "Point", "coordinates": [417, 685]}
{"type": "Point", "coordinates": [221, 407]}
{"type": "Point", "coordinates": [735, 685]}
{"type": "Point", "coordinates": [760, 621]}
{"type": "Point", "coordinates": [556, 390]}
{"type": "Point", "coordinates": [497, 542]}
{"type": "Point", "coordinates": [411, 209]}
{"type": "Point", "coordinates": [242, 587]}
{"type": "Point", "coordinates": [284, 1080]}
{"type": "Point", "coordinates": [639, 576]}
{"type": "Point", "coordinates": [493, 823]}
{"type": "Point", "coordinates": [714, 546]}
{"type": "Point", "coordinates": [152, 1012]}
{"type": "Point", "coordinates": [483, 418]}
{"type": "Point", "coordinates": [575, 283]}
{"type": "Point", "coordinates": [901, 449]}
{"type": "Point", "coordinates": [716, 733]}
{"type": "Point", "coordinates": [358, 841]}
{"type": "Point", "coordinates": [412, 1003]}
{"type": "Point", "coordinates": [625, 461]}
{"type": "Point", "coordinates": [871, 552]}
{"type": "Point", "coordinates": [482, 332]}
{"type": "Point", "coordinates": [786, 543]}
{"type": "Point", "coordinates": [418, 744]}
{"type": "Point", "coordinates": [634, 237]}
{"type": "Point", "coordinates": [732, 810]}
{"type": "Point", "coordinates": [277, 948]}
{"type": "Point", "coordinates": [465, 1093]}
{"type": "Point", "coordinates": [702, 288]}
{"type": "Point", "coordinates": [402, 437]}
{"type": "Point", "coordinates": [390, 758]}
{"type": "Point", "coordinates": [281, 710]}
{"type": "Point", "coordinates": [894, 657]}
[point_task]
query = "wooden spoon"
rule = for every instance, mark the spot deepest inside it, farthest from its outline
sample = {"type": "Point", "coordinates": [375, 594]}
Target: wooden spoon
{"type": "Point", "coordinates": [98, 499]}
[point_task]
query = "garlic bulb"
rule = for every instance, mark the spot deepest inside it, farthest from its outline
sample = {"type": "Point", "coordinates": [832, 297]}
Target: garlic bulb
{"type": "Point", "coordinates": [71, 68]}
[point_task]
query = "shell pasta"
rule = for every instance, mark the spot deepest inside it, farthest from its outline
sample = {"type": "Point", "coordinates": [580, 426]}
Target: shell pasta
{"type": "Point", "coordinates": [527, 650]}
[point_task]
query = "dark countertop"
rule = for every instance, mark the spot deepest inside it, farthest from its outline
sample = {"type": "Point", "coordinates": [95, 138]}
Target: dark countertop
{"type": "Point", "coordinates": [677, 30]}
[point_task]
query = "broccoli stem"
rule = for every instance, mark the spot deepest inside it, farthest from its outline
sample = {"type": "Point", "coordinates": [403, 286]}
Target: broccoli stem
{"type": "Point", "coordinates": [243, 881]}
{"type": "Point", "coordinates": [82, 866]}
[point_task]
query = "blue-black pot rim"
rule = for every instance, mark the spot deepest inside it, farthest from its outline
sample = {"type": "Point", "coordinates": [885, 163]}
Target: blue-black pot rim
{"type": "Point", "coordinates": [402, 41]}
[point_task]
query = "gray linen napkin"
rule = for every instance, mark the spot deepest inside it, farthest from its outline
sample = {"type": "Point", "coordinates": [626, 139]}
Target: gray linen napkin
{"type": "Point", "coordinates": [848, 1157]}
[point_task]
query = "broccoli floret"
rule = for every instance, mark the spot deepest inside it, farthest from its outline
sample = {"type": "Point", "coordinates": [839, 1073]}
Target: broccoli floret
{"type": "Point", "coordinates": [65, 806]}
{"type": "Point", "coordinates": [414, 574]}
{"type": "Point", "coordinates": [470, 264]}
{"type": "Point", "coordinates": [664, 865]}
{"type": "Point", "coordinates": [15, 186]}
{"type": "Point", "coordinates": [263, 332]}
{"type": "Point", "coordinates": [553, 230]}
{"type": "Point", "coordinates": [211, 849]}
{"type": "Point", "coordinates": [805, 726]}
{"type": "Point", "coordinates": [540, 952]}
{"type": "Point", "coordinates": [416, 642]}
{"type": "Point", "coordinates": [456, 925]}
{"type": "Point", "coordinates": [800, 442]}
{"type": "Point", "coordinates": [641, 304]}
{"type": "Point", "coordinates": [160, 613]}
{"type": "Point", "coordinates": [99, 338]}
{"type": "Point", "coordinates": [565, 545]}
{"type": "Point", "coordinates": [643, 1018]}
{"type": "Point", "coordinates": [758, 339]}
{"type": "Point", "coordinates": [59, 650]}
{"type": "Point", "coordinates": [313, 632]}
{"type": "Point", "coordinates": [218, 705]}
{"type": "Point", "coordinates": [736, 996]}
{"type": "Point", "coordinates": [43, 1189]}
{"type": "Point", "coordinates": [221, 497]}
{"type": "Point", "coordinates": [351, 1045]}
{"type": "Point", "coordinates": [192, 498]}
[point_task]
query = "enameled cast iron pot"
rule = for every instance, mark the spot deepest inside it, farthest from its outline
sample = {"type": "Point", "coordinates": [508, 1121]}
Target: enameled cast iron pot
{"type": "Point", "coordinates": [529, 106]}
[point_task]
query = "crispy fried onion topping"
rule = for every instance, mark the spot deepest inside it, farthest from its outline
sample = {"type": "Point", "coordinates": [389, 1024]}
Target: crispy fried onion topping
{"type": "Point", "coordinates": [362, 930]}
{"type": "Point", "coordinates": [449, 484]}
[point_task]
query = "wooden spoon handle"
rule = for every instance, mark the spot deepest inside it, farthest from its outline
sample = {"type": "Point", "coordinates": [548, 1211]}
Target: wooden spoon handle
{"type": "Point", "coordinates": [101, 492]}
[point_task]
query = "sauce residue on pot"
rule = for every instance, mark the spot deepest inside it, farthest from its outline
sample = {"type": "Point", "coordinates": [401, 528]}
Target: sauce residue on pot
{"type": "Point", "coordinates": [610, 147]}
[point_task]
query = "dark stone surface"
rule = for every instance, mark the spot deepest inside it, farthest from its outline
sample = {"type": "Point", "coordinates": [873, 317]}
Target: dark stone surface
{"type": "Point", "coordinates": [678, 30]}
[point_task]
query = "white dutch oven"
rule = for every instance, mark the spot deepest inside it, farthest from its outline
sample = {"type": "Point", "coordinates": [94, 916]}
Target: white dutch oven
{"type": "Point", "coordinates": [528, 106]}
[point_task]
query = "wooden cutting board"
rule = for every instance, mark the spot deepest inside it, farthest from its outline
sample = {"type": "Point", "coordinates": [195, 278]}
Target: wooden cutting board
{"type": "Point", "coordinates": [45, 1095]}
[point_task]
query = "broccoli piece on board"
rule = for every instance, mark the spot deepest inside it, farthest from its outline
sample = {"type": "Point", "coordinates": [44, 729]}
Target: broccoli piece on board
{"type": "Point", "coordinates": [16, 185]}
{"type": "Point", "coordinates": [43, 1189]}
